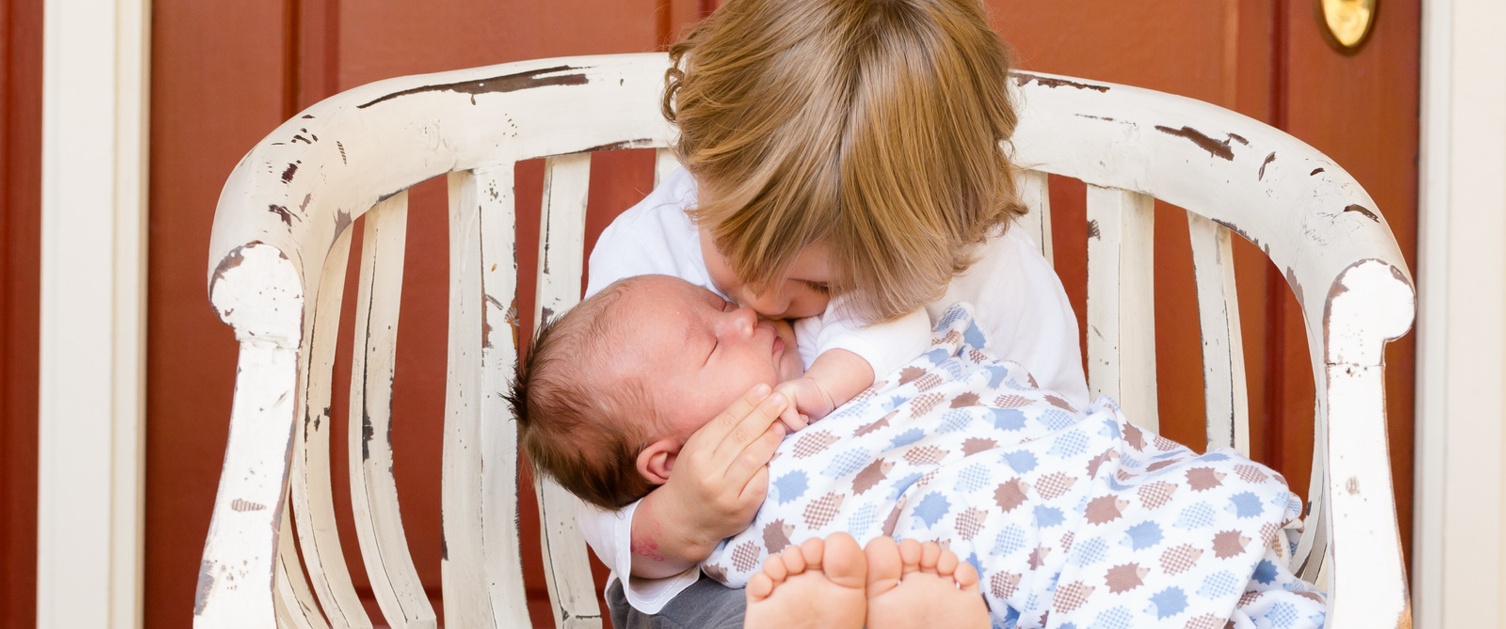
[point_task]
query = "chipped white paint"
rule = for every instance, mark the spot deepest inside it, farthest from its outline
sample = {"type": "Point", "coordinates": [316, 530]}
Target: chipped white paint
{"type": "Point", "coordinates": [1313, 221]}
{"type": "Point", "coordinates": [1226, 396]}
{"type": "Point", "coordinates": [563, 226]}
{"type": "Point", "coordinates": [378, 518]}
{"type": "Point", "coordinates": [297, 191]}
{"type": "Point", "coordinates": [1036, 196]}
{"type": "Point", "coordinates": [490, 192]}
{"type": "Point", "coordinates": [309, 480]}
{"type": "Point", "coordinates": [467, 601]}
{"type": "Point", "coordinates": [294, 601]}
{"type": "Point", "coordinates": [1121, 306]}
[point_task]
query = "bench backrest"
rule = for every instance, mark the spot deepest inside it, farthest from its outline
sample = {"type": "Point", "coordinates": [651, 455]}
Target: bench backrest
{"type": "Point", "coordinates": [280, 247]}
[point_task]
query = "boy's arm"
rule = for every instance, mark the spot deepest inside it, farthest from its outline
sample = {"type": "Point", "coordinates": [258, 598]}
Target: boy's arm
{"type": "Point", "coordinates": [717, 484]}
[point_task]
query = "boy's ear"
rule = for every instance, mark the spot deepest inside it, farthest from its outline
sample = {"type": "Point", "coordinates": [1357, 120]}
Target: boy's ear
{"type": "Point", "coordinates": [657, 459]}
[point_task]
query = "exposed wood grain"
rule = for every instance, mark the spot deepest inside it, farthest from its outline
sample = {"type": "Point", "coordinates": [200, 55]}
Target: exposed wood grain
{"type": "Point", "coordinates": [566, 566]}
{"type": "Point", "coordinates": [378, 518]}
{"type": "Point", "coordinates": [1225, 392]}
{"type": "Point", "coordinates": [1121, 314]}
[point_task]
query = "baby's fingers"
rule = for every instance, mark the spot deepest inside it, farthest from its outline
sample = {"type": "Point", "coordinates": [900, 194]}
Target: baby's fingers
{"type": "Point", "coordinates": [793, 419]}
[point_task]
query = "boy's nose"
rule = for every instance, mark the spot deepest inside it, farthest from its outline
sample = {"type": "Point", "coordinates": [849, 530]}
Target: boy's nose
{"type": "Point", "coordinates": [769, 303]}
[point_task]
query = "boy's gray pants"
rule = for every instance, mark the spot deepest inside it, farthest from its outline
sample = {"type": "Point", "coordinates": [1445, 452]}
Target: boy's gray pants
{"type": "Point", "coordinates": [704, 604]}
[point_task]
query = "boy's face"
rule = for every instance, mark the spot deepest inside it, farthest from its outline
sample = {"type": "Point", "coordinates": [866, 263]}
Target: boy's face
{"type": "Point", "coordinates": [804, 293]}
{"type": "Point", "coordinates": [696, 353]}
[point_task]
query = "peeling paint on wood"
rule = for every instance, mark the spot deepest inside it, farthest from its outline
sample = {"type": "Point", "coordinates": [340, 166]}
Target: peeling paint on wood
{"type": "Point", "coordinates": [1315, 172]}
{"type": "Point", "coordinates": [1239, 138]}
{"type": "Point", "coordinates": [1268, 159]}
{"type": "Point", "coordinates": [287, 173]}
{"type": "Point", "coordinates": [282, 213]}
{"type": "Point", "coordinates": [1093, 229]}
{"type": "Point", "coordinates": [206, 585]}
{"type": "Point", "coordinates": [1025, 78]}
{"type": "Point", "coordinates": [1291, 279]}
{"type": "Point", "coordinates": [341, 146]}
{"type": "Point", "coordinates": [497, 84]}
{"type": "Point", "coordinates": [245, 505]}
{"type": "Point", "coordinates": [625, 144]}
{"type": "Point", "coordinates": [1363, 211]}
{"type": "Point", "coordinates": [1092, 117]}
{"type": "Point", "coordinates": [368, 432]}
{"type": "Point", "coordinates": [1214, 147]}
{"type": "Point", "coordinates": [1242, 233]}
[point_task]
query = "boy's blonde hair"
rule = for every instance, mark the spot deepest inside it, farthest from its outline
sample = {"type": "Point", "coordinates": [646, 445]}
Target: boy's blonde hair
{"type": "Point", "coordinates": [874, 126]}
{"type": "Point", "coordinates": [584, 429]}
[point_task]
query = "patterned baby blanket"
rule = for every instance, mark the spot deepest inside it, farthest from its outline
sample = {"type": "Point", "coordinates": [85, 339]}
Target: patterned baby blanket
{"type": "Point", "coordinates": [1074, 518]}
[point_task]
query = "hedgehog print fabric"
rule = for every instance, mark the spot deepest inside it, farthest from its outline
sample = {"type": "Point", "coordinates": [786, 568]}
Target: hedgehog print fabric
{"type": "Point", "coordinates": [1074, 518]}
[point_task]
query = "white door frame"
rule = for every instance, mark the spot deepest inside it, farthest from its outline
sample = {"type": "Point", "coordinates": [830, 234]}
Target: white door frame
{"type": "Point", "coordinates": [1457, 567]}
{"type": "Point", "coordinates": [95, 60]}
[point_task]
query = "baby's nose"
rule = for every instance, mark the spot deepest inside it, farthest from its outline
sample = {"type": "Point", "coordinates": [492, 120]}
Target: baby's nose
{"type": "Point", "coordinates": [744, 320]}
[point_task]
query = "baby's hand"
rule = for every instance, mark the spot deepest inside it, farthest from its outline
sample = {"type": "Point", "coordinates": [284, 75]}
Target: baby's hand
{"type": "Point", "coordinates": [808, 402]}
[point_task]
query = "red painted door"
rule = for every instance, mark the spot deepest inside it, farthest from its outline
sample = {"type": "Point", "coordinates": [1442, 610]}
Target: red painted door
{"type": "Point", "coordinates": [225, 73]}
{"type": "Point", "coordinates": [20, 278]}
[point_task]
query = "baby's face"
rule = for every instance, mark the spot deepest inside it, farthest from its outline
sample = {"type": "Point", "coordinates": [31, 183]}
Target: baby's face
{"type": "Point", "coordinates": [696, 353]}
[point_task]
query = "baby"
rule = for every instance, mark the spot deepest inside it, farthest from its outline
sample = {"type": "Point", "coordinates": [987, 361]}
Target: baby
{"type": "Point", "coordinates": [628, 375]}
{"type": "Point", "coordinates": [613, 389]}
{"type": "Point", "coordinates": [1070, 512]}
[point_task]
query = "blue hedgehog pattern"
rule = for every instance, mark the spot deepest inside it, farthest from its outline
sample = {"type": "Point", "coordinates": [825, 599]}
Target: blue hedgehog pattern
{"type": "Point", "coordinates": [1074, 517]}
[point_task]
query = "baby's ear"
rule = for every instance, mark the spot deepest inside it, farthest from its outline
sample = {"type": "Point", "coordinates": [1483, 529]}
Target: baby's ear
{"type": "Point", "coordinates": [657, 459]}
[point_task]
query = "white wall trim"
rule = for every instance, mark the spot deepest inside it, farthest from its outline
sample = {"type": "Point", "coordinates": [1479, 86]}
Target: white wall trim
{"type": "Point", "coordinates": [1459, 569]}
{"type": "Point", "coordinates": [93, 300]}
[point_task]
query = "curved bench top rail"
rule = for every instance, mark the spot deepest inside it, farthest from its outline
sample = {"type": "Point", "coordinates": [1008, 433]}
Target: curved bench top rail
{"type": "Point", "coordinates": [1309, 215]}
{"type": "Point", "coordinates": [310, 178]}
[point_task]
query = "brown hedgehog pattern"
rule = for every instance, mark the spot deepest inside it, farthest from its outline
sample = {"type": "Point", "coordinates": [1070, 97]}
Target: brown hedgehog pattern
{"type": "Point", "coordinates": [1071, 514]}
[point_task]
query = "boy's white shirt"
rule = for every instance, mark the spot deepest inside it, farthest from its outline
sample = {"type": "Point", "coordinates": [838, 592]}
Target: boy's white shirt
{"type": "Point", "coordinates": [1010, 286]}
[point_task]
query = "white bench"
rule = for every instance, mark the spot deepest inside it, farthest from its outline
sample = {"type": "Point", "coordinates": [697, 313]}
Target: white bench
{"type": "Point", "coordinates": [278, 258]}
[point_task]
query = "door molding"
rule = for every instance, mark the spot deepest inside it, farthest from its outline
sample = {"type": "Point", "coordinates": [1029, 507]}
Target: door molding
{"type": "Point", "coordinates": [94, 206]}
{"type": "Point", "coordinates": [1461, 361]}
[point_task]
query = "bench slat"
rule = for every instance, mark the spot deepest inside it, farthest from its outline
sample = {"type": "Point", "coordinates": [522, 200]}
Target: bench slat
{"type": "Point", "coordinates": [1121, 309]}
{"type": "Point", "coordinates": [373, 489]}
{"type": "Point", "coordinates": [566, 566]}
{"type": "Point", "coordinates": [313, 494]}
{"type": "Point", "coordinates": [1225, 390]}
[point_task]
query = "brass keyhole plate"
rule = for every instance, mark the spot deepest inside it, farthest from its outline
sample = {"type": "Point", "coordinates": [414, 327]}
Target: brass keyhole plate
{"type": "Point", "coordinates": [1347, 23]}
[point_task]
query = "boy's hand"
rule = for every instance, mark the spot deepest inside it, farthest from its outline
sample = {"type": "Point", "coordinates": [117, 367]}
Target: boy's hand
{"type": "Point", "coordinates": [809, 402]}
{"type": "Point", "coordinates": [720, 479]}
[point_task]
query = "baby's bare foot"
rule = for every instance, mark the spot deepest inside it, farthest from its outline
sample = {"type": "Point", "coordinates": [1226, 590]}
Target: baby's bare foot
{"type": "Point", "coordinates": [818, 584]}
{"type": "Point", "coordinates": [921, 585]}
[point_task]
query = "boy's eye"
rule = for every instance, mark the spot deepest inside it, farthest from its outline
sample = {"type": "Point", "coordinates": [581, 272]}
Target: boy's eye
{"type": "Point", "coordinates": [820, 287]}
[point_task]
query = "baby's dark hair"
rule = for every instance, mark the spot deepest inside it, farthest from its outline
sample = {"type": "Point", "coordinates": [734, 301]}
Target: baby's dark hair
{"type": "Point", "coordinates": [574, 423]}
